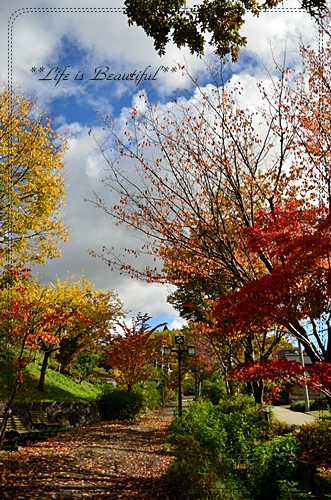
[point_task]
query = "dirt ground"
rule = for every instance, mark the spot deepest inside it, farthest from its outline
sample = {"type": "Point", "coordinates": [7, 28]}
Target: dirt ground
{"type": "Point", "coordinates": [110, 460]}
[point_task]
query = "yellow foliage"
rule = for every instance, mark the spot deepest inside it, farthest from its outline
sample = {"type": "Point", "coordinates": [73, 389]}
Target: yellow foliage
{"type": "Point", "coordinates": [32, 186]}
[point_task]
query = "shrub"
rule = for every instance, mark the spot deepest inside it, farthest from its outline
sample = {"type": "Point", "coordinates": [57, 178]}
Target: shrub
{"type": "Point", "coordinates": [278, 428]}
{"type": "Point", "coordinates": [272, 461]}
{"type": "Point", "coordinates": [120, 404]}
{"type": "Point", "coordinates": [222, 453]}
{"type": "Point", "coordinates": [189, 387]}
{"type": "Point", "coordinates": [196, 475]}
{"type": "Point", "coordinates": [300, 406]}
{"type": "Point", "coordinates": [315, 439]}
{"type": "Point", "coordinates": [152, 398]}
{"type": "Point", "coordinates": [291, 490]}
{"type": "Point", "coordinates": [213, 390]}
{"type": "Point", "coordinates": [242, 402]}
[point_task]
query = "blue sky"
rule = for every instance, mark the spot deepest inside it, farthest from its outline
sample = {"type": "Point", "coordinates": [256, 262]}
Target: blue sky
{"type": "Point", "coordinates": [81, 42]}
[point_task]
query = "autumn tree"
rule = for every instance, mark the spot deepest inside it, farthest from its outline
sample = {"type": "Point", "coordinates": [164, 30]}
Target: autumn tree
{"type": "Point", "coordinates": [91, 312]}
{"type": "Point", "coordinates": [132, 351]}
{"type": "Point", "coordinates": [186, 27]}
{"type": "Point", "coordinates": [207, 171]}
{"type": "Point", "coordinates": [202, 176]}
{"type": "Point", "coordinates": [32, 185]}
{"type": "Point", "coordinates": [28, 322]}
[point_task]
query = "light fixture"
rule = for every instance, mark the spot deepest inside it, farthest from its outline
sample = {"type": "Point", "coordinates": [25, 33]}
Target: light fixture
{"type": "Point", "coordinates": [191, 350]}
{"type": "Point", "coordinates": [167, 351]}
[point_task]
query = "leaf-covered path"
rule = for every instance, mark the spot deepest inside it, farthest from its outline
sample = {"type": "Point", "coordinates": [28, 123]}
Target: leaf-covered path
{"type": "Point", "coordinates": [102, 461]}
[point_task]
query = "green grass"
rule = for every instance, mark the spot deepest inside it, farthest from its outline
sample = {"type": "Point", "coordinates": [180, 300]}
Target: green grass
{"type": "Point", "coordinates": [58, 387]}
{"type": "Point", "coordinates": [321, 413]}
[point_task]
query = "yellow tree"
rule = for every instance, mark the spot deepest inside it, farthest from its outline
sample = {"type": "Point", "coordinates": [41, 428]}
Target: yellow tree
{"type": "Point", "coordinates": [32, 186]}
{"type": "Point", "coordinates": [91, 313]}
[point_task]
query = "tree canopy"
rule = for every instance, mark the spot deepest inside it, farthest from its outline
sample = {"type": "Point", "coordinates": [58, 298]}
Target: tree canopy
{"type": "Point", "coordinates": [32, 185]}
{"type": "Point", "coordinates": [187, 27]}
{"type": "Point", "coordinates": [237, 200]}
{"type": "Point", "coordinates": [132, 352]}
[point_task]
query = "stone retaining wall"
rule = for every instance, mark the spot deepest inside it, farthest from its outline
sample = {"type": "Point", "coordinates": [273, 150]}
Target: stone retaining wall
{"type": "Point", "coordinates": [66, 413]}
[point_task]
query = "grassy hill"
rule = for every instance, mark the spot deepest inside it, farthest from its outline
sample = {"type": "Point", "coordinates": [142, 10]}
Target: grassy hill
{"type": "Point", "coordinates": [58, 387]}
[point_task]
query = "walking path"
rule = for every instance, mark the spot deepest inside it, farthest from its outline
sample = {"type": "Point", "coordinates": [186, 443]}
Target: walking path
{"type": "Point", "coordinates": [106, 461]}
{"type": "Point", "coordinates": [293, 417]}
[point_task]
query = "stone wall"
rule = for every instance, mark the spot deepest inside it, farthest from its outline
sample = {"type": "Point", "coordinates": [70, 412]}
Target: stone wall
{"type": "Point", "coordinates": [66, 413]}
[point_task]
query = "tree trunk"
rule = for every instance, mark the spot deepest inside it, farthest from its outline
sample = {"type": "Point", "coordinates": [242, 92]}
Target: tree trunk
{"type": "Point", "coordinates": [3, 425]}
{"type": "Point", "coordinates": [41, 386]}
{"type": "Point", "coordinates": [7, 411]}
{"type": "Point", "coordinates": [258, 387]}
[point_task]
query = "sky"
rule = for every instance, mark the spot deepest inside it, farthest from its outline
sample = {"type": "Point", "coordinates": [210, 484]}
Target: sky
{"type": "Point", "coordinates": [64, 54]}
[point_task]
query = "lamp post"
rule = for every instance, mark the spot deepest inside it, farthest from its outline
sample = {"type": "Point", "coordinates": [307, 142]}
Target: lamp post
{"type": "Point", "coordinates": [266, 412]}
{"type": "Point", "coordinates": [167, 351]}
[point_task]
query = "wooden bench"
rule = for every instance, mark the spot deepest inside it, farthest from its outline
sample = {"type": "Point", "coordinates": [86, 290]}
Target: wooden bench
{"type": "Point", "coordinates": [16, 431]}
{"type": "Point", "coordinates": [40, 421]}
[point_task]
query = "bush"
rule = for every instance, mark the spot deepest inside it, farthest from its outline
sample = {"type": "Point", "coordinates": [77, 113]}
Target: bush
{"type": "Point", "coordinates": [320, 404]}
{"type": "Point", "coordinates": [300, 406]}
{"type": "Point", "coordinates": [197, 475]}
{"type": "Point", "coordinates": [242, 403]}
{"type": "Point", "coordinates": [120, 404]}
{"type": "Point", "coordinates": [315, 439]}
{"type": "Point", "coordinates": [189, 387]}
{"type": "Point", "coordinates": [222, 453]}
{"type": "Point", "coordinates": [213, 390]}
{"type": "Point", "coordinates": [278, 428]}
{"type": "Point", "coordinates": [152, 398]}
{"type": "Point", "coordinates": [273, 462]}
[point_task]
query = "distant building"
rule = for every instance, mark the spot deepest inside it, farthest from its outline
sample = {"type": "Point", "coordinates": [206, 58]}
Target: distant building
{"type": "Point", "coordinates": [292, 353]}
{"type": "Point", "coordinates": [294, 393]}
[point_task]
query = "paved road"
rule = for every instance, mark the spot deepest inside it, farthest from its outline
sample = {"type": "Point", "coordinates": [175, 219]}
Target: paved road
{"type": "Point", "coordinates": [293, 417]}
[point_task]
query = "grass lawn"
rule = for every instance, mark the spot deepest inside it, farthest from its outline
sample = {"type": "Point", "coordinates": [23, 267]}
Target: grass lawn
{"type": "Point", "coordinates": [321, 413]}
{"type": "Point", "coordinates": [58, 387]}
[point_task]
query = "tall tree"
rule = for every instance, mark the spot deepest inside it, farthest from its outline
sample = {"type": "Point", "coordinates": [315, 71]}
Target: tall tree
{"type": "Point", "coordinates": [32, 186]}
{"type": "Point", "coordinates": [172, 20]}
{"type": "Point", "coordinates": [207, 170]}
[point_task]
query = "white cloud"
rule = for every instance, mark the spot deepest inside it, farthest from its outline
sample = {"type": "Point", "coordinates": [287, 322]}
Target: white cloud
{"type": "Point", "coordinates": [95, 39]}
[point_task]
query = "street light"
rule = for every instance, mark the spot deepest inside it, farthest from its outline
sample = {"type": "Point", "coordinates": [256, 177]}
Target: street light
{"type": "Point", "coordinates": [167, 351]}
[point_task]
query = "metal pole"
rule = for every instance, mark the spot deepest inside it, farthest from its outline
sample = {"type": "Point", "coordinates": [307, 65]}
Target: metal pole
{"type": "Point", "coordinates": [179, 382]}
{"type": "Point", "coordinates": [305, 388]}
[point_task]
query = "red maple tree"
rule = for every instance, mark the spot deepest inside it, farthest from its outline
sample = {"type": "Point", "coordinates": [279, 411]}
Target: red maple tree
{"type": "Point", "coordinates": [133, 351]}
